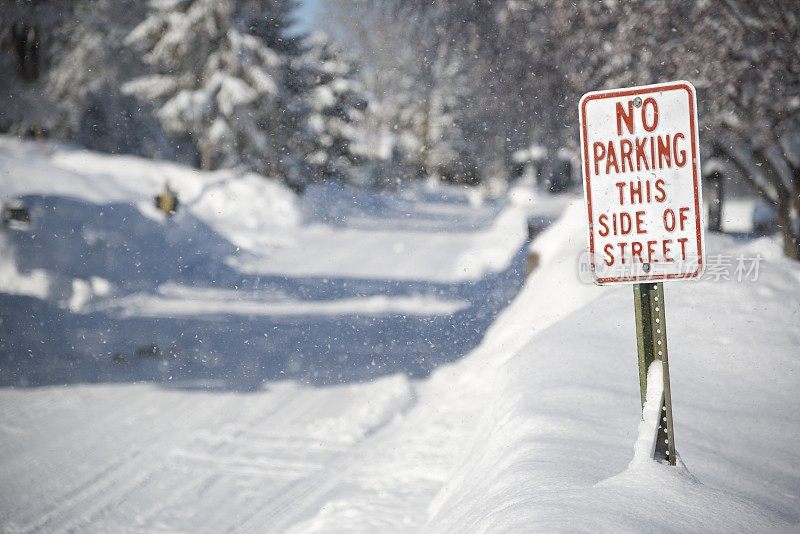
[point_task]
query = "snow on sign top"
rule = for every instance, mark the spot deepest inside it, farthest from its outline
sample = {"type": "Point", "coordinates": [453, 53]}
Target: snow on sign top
{"type": "Point", "coordinates": [641, 177]}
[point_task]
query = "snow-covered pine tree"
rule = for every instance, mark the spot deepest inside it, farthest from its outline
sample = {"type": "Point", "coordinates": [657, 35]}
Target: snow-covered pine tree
{"type": "Point", "coordinates": [218, 79]}
{"type": "Point", "coordinates": [333, 104]}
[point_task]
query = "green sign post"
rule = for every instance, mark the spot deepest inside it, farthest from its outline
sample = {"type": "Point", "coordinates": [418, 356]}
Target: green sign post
{"type": "Point", "coordinates": [651, 340]}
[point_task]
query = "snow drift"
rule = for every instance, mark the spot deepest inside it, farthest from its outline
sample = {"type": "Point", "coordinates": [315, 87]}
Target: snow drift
{"type": "Point", "coordinates": [554, 447]}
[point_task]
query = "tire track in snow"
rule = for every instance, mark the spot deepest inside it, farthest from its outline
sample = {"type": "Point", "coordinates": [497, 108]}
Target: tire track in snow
{"type": "Point", "coordinates": [294, 501]}
{"type": "Point", "coordinates": [103, 487]}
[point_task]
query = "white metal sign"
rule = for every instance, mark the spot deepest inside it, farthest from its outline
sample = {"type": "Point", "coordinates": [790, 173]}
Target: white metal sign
{"type": "Point", "coordinates": [641, 177]}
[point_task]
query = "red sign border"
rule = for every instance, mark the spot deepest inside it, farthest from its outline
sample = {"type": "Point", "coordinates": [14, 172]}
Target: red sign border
{"type": "Point", "coordinates": [642, 90]}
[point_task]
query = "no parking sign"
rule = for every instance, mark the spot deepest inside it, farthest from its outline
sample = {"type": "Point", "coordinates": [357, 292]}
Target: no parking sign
{"type": "Point", "coordinates": [641, 169]}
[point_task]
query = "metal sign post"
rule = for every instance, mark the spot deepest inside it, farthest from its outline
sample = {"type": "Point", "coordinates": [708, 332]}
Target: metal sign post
{"type": "Point", "coordinates": [651, 339]}
{"type": "Point", "coordinates": [641, 176]}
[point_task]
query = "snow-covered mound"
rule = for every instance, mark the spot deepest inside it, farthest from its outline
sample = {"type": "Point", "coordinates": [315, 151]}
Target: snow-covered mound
{"type": "Point", "coordinates": [96, 232]}
{"type": "Point", "coordinates": [228, 202]}
{"type": "Point", "coordinates": [553, 449]}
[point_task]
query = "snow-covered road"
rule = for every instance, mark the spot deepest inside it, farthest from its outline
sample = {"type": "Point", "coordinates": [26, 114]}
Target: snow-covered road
{"type": "Point", "coordinates": [236, 368]}
{"type": "Point", "coordinates": [106, 458]}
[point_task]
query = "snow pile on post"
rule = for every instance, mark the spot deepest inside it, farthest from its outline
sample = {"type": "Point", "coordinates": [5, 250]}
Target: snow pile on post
{"type": "Point", "coordinates": [648, 426]}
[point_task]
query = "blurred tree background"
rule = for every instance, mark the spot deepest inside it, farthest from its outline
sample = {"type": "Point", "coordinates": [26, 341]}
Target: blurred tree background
{"type": "Point", "coordinates": [503, 76]}
{"type": "Point", "coordinates": [458, 90]}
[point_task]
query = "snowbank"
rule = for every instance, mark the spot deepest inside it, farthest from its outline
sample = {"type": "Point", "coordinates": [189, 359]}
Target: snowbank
{"type": "Point", "coordinates": [553, 449]}
{"type": "Point", "coordinates": [378, 287]}
{"type": "Point", "coordinates": [241, 208]}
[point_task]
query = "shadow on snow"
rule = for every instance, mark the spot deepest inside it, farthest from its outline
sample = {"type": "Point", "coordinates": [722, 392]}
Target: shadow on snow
{"type": "Point", "coordinates": [43, 343]}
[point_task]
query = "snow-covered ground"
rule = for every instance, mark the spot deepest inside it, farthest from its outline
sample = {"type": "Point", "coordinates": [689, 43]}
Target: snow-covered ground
{"type": "Point", "coordinates": [290, 373]}
{"type": "Point", "coordinates": [247, 282]}
{"type": "Point", "coordinates": [293, 327]}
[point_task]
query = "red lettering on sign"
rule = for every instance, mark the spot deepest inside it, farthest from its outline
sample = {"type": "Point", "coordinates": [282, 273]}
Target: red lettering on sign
{"type": "Point", "coordinates": [664, 152]}
{"type": "Point", "coordinates": [627, 118]}
{"type": "Point", "coordinates": [679, 155]}
{"type": "Point", "coordinates": [625, 149]}
{"type": "Point", "coordinates": [669, 220]}
{"type": "Point", "coordinates": [611, 158]}
{"type": "Point", "coordinates": [661, 195]}
{"type": "Point", "coordinates": [650, 101]}
{"type": "Point", "coordinates": [640, 228]}
{"type": "Point", "coordinates": [636, 250]}
{"type": "Point", "coordinates": [599, 150]}
{"type": "Point", "coordinates": [683, 241]}
{"type": "Point", "coordinates": [684, 217]}
{"type": "Point", "coordinates": [641, 158]}
{"type": "Point", "coordinates": [651, 248]}
{"type": "Point", "coordinates": [609, 259]}
{"type": "Point", "coordinates": [665, 250]}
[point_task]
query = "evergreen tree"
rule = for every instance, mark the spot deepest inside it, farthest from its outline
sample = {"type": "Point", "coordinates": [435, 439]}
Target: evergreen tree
{"type": "Point", "coordinates": [333, 104]}
{"type": "Point", "coordinates": [218, 80]}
